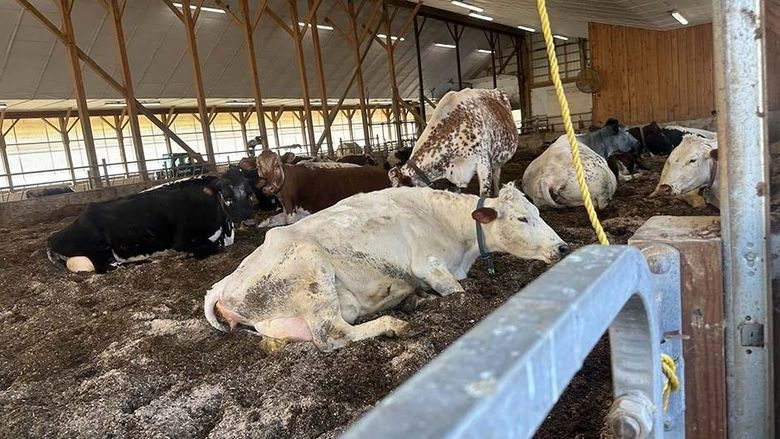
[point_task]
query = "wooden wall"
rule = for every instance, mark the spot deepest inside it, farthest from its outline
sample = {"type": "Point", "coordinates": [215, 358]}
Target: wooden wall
{"type": "Point", "coordinates": [651, 75]}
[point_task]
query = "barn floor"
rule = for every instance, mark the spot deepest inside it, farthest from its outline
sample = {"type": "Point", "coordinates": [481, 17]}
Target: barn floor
{"type": "Point", "coordinates": [129, 354]}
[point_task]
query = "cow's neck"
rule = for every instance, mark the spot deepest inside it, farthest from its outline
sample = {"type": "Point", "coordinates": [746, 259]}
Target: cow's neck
{"type": "Point", "coordinates": [595, 141]}
{"type": "Point", "coordinates": [455, 210]}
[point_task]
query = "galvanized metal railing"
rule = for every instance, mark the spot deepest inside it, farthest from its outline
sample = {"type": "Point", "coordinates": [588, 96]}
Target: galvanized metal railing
{"type": "Point", "coordinates": [504, 376]}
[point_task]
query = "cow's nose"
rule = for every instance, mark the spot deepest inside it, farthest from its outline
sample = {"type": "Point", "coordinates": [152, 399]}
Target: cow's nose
{"type": "Point", "coordinates": [664, 189]}
{"type": "Point", "coordinates": [564, 250]}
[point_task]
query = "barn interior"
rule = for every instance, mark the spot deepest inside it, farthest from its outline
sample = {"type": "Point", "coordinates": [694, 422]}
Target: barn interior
{"type": "Point", "coordinates": [102, 99]}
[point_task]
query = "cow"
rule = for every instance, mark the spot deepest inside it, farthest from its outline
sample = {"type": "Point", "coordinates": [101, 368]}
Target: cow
{"type": "Point", "coordinates": [193, 215]}
{"type": "Point", "coordinates": [626, 165]}
{"type": "Point", "coordinates": [471, 131]}
{"type": "Point", "coordinates": [550, 179]}
{"type": "Point", "coordinates": [610, 139]}
{"type": "Point", "coordinates": [304, 190]}
{"type": "Point", "coordinates": [291, 159]}
{"type": "Point", "coordinates": [312, 281]}
{"type": "Point", "coordinates": [265, 203]}
{"type": "Point", "coordinates": [48, 191]}
{"type": "Point", "coordinates": [358, 159]}
{"type": "Point", "coordinates": [661, 141]}
{"type": "Point", "coordinates": [691, 172]}
{"type": "Point", "coordinates": [397, 158]}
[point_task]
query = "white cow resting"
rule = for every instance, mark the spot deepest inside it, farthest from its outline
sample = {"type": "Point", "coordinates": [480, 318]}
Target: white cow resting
{"type": "Point", "coordinates": [471, 131]}
{"type": "Point", "coordinates": [550, 179]}
{"type": "Point", "coordinates": [691, 171]}
{"type": "Point", "coordinates": [312, 280]}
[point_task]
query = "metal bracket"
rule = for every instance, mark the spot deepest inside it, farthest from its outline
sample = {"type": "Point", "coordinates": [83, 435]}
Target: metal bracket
{"type": "Point", "coordinates": [751, 334]}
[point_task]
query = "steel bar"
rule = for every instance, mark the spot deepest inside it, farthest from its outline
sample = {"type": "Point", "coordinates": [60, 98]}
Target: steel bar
{"type": "Point", "coordinates": [505, 374]}
{"type": "Point", "coordinates": [740, 92]}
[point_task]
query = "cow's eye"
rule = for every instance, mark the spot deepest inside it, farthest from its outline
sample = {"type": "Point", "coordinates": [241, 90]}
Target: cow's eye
{"type": "Point", "coordinates": [692, 161]}
{"type": "Point", "coordinates": [522, 219]}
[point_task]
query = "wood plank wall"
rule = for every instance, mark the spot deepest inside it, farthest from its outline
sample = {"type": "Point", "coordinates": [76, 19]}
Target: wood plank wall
{"type": "Point", "coordinates": [773, 67]}
{"type": "Point", "coordinates": [651, 75]}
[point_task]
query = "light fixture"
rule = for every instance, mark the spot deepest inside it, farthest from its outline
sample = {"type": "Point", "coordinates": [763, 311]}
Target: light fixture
{"type": "Point", "coordinates": [467, 6]}
{"type": "Point", "coordinates": [446, 46]}
{"type": "Point", "coordinates": [561, 37]}
{"type": "Point", "coordinates": [484, 51]}
{"type": "Point", "coordinates": [392, 37]}
{"type": "Point", "coordinates": [678, 16]}
{"type": "Point", "coordinates": [3, 107]}
{"type": "Point", "coordinates": [319, 26]}
{"type": "Point", "coordinates": [122, 104]}
{"type": "Point", "coordinates": [527, 29]}
{"type": "Point", "coordinates": [480, 16]}
{"type": "Point", "coordinates": [202, 8]}
{"type": "Point", "coordinates": [239, 103]}
{"type": "Point", "coordinates": [114, 104]}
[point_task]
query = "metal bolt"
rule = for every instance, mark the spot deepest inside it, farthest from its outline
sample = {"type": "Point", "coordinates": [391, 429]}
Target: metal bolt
{"type": "Point", "coordinates": [631, 416]}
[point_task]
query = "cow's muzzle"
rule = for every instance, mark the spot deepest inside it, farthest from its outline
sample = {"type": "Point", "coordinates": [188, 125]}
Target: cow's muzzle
{"type": "Point", "coordinates": [663, 190]}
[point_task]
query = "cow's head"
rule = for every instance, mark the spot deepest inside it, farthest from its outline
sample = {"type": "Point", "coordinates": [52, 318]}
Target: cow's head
{"type": "Point", "coordinates": [616, 138]}
{"type": "Point", "coordinates": [513, 225]}
{"type": "Point", "coordinates": [237, 193]}
{"type": "Point", "coordinates": [271, 171]}
{"type": "Point", "coordinates": [690, 166]}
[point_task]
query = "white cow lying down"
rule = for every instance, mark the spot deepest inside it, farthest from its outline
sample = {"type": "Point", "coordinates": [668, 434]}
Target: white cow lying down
{"type": "Point", "coordinates": [312, 280]}
{"type": "Point", "coordinates": [550, 179]}
{"type": "Point", "coordinates": [691, 171]}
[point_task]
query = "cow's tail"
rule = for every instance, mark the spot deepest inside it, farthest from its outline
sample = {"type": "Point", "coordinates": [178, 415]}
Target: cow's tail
{"type": "Point", "coordinates": [209, 307]}
{"type": "Point", "coordinates": [549, 193]}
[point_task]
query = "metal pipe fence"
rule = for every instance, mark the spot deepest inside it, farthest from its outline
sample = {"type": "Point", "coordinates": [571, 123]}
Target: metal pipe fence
{"type": "Point", "coordinates": [504, 376]}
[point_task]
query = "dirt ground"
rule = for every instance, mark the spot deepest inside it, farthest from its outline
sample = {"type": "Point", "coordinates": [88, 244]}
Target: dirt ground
{"type": "Point", "coordinates": [129, 354]}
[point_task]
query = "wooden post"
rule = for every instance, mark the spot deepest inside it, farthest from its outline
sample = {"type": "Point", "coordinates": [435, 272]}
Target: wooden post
{"type": "Point", "coordinates": [456, 32]}
{"type": "Point", "coordinates": [361, 86]}
{"type": "Point", "coordinates": [64, 133]}
{"type": "Point", "coordinates": [349, 114]}
{"type": "Point", "coordinates": [298, 41]}
{"type": "Point", "coordinates": [698, 241]}
{"type": "Point", "coordinates": [248, 30]}
{"type": "Point", "coordinates": [274, 117]}
{"type": "Point", "coordinates": [315, 40]}
{"type": "Point", "coordinates": [200, 95]}
{"type": "Point", "coordinates": [120, 137]}
{"type": "Point", "coordinates": [131, 103]}
{"type": "Point", "coordinates": [417, 32]}
{"type": "Point", "coordinates": [168, 120]}
{"type": "Point", "coordinates": [389, 45]}
{"type": "Point", "coordinates": [523, 61]}
{"type": "Point", "coordinates": [4, 149]}
{"type": "Point", "coordinates": [242, 120]}
{"type": "Point", "coordinates": [65, 7]}
{"type": "Point", "coordinates": [491, 38]}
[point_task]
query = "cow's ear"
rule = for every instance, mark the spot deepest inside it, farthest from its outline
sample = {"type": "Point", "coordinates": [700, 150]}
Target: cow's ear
{"type": "Point", "coordinates": [714, 154]}
{"type": "Point", "coordinates": [484, 215]}
{"type": "Point", "coordinates": [288, 157]}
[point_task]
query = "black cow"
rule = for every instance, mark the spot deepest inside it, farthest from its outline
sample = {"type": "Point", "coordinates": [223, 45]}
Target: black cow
{"type": "Point", "coordinates": [47, 191]}
{"type": "Point", "coordinates": [248, 168]}
{"type": "Point", "coordinates": [193, 216]}
{"type": "Point", "coordinates": [661, 141]}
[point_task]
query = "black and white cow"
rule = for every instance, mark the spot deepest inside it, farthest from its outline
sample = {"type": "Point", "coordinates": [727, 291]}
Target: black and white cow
{"type": "Point", "coordinates": [661, 141]}
{"type": "Point", "coordinates": [48, 191]}
{"type": "Point", "coordinates": [194, 216]}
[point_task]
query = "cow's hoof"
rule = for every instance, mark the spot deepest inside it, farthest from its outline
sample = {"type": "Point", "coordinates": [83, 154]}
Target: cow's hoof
{"type": "Point", "coordinates": [398, 330]}
{"type": "Point", "coordinates": [80, 264]}
{"type": "Point", "coordinates": [272, 345]}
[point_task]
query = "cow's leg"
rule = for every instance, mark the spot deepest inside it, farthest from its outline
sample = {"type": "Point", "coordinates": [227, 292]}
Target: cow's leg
{"type": "Point", "coordinates": [496, 180]}
{"type": "Point", "coordinates": [435, 274]}
{"type": "Point", "coordinates": [485, 175]}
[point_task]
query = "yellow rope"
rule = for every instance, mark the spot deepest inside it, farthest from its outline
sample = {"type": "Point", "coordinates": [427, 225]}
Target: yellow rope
{"type": "Point", "coordinates": [668, 367]}
{"type": "Point", "coordinates": [575, 148]}
{"type": "Point", "coordinates": [672, 383]}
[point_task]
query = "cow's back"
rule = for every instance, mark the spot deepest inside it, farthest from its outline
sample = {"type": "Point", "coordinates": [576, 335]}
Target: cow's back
{"type": "Point", "coordinates": [316, 189]}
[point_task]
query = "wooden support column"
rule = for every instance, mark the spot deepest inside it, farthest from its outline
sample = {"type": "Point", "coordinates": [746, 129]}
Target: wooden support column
{"type": "Point", "coordinates": [417, 32]}
{"type": "Point", "coordinates": [274, 117]}
{"type": "Point", "coordinates": [456, 32]}
{"type": "Point", "coordinates": [168, 120]}
{"type": "Point", "coordinates": [243, 119]}
{"type": "Point", "coordinates": [361, 86]}
{"type": "Point", "coordinates": [117, 11]}
{"type": "Point", "coordinates": [315, 40]}
{"type": "Point", "coordinates": [4, 149]}
{"type": "Point", "coordinates": [64, 130]}
{"type": "Point", "coordinates": [349, 114]}
{"type": "Point", "coordinates": [65, 8]}
{"type": "Point", "coordinates": [118, 125]}
{"type": "Point", "coordinates": [491, 39]}
{"type": "Point", "coordinates": [523, 61]}
{"type": "Point", "coordinates": [192, 43]}
{"type": "Point", "coordinates": [698, 241]}
{"type": "Point", "coordinates": [389, 45]}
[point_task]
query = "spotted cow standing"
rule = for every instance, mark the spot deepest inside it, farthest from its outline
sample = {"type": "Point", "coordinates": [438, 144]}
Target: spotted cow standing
{"type": "Point", "coordinates": [471, 131]}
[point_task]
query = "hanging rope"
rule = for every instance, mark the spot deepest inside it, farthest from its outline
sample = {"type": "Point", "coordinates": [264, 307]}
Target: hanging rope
{"type": "Point", "coordinates": [575, 148]}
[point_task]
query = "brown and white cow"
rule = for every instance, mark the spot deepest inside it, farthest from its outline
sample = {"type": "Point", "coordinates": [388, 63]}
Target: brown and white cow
{"type": "Point", "coordinates": [312, 281]}
{"type": "Point", "coordinates": [471, 131]}
{"type": "Point", "coordinates": [305, 189]}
